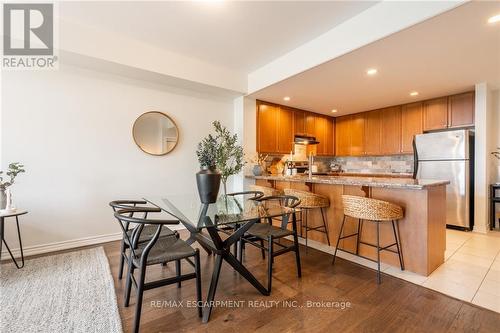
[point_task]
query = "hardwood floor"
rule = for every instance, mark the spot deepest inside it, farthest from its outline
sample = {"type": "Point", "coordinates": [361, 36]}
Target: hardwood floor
{"type": "Point", "coordinates": [393, 306]}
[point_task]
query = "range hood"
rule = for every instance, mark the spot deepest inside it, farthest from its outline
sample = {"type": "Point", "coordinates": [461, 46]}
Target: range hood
{"type": "Point", "coordinates": [305, 140]}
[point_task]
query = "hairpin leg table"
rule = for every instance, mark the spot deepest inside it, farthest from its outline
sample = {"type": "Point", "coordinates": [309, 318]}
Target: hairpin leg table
{"type": "Point", "coordinates": [3, 216]}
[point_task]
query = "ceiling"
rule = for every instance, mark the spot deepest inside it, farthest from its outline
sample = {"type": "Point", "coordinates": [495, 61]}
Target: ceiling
{"type": "Point", "coordinates": [239, 35]}
{"type": "Point", "coordinates": [443, 55]}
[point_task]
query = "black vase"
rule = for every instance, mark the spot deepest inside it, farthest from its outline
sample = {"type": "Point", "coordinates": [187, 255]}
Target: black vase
{"type": "Point", "coordinates": [208, 181]}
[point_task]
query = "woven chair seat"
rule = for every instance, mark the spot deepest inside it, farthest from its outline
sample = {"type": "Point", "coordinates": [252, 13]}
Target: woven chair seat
{"type": "Point", "coordinates": [264, 230]}
{"type": "Point", "coordinates": [309, 200]}
{"type": "Point", "coordinates": [371, 209]}
{"type": "Point", "coordinates": [268, 191]}
{"type": "Point", "coordinates": [148, 232]}
{"type": "Point", "coordinates": [165, 249]}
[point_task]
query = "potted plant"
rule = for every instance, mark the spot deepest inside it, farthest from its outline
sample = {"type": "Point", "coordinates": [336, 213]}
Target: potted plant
{"type": "Point", "coordinates": [229, 157]}
{"type": "Point", "coordinates": [208, 178]}
{"type": "Point", "coordinates": [14, 169]}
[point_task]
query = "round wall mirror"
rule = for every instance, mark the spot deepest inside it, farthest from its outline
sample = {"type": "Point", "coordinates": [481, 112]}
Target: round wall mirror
{"type": "Point", "coordinates": [155, 133]}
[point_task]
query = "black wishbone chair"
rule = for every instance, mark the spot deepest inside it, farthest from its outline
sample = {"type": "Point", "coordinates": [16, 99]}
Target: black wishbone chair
{"type": "Point", "coordinates": [260, 232]}
{"type": "Point", "coordinates": [251, 195]}
{"type": "Point", "coordinates": [146, 234]}
{"type": "Point", "coordinates": [156, 250]}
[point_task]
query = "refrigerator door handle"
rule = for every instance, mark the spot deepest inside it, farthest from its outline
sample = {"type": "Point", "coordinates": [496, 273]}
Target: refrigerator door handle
{"type": "Point", "coordinates": [415, 158]}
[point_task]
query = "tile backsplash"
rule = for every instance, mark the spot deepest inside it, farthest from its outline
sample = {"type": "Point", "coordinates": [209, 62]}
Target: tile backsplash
{"type": "Point", "coordinates": [393, 164]}
{"type": "Point", "coordinates": [376, 164]}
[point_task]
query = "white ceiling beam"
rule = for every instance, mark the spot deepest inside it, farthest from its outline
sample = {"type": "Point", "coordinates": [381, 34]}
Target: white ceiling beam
{"type": "Point", "coordinates": [376, 22]}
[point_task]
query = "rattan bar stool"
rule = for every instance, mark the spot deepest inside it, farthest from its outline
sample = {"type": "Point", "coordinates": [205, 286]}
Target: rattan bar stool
{"type": "Point", "coordinates": [309, 201]}
{"type": "Point", "coordinates": [367, 209]}
{"type": "Point", "coordinates": [267, 191]}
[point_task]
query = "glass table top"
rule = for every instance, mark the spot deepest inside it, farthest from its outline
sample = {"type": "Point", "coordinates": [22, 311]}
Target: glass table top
{"type": "Point", "coordinates": [227, 210]}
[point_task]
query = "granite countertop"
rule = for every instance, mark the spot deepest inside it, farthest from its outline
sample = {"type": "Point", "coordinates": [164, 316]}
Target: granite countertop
{"type": "Point", "coordinates": [406, 183]}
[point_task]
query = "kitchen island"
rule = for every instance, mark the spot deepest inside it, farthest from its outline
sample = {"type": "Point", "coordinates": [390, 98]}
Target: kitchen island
{"type": "Point", "coordinates": [422, 230]}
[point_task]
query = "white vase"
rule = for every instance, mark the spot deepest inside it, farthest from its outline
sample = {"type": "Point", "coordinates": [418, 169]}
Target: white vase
{"type": "Point", "coordinates": [498, 174]}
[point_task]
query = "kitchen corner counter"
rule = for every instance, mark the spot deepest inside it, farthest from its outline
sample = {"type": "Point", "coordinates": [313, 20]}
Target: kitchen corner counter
{"type": "Point", "coordinates": [384, 182]}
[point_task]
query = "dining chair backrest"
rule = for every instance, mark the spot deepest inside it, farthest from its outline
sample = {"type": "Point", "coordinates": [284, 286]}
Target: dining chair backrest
{"type": "Point", "coordinates": [126, 216]}
{"type": "Point", "coordinates": [288, 201]}
{"type": "Point", "coordinates": [246, 195]}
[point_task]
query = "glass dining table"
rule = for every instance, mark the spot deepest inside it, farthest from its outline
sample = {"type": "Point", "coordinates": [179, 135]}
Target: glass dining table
{"type": "Point", "coordinates": [234, 214]}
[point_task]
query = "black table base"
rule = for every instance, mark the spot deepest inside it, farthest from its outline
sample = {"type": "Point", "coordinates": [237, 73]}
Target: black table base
{"type": "Point", "coordinates": [2, 230]}
{"type": "Point", "coordinates": [222, 251]}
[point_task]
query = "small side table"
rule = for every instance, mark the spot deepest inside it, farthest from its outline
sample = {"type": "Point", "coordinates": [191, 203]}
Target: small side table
{"type": "Point", "coordinates": [3, 216]}
{"type": "Point", "coordinates": [494, 199]}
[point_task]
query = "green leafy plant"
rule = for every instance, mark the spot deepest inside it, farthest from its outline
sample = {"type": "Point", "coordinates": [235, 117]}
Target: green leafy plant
{"type": "Point", "coordinates": [14, 169]}
{"type": "Point", "coordinates": [229, 153]}
{"type": "Point", "coordinates": [207, 152]}
{"type": "Point", "coordinates": [221, 151]}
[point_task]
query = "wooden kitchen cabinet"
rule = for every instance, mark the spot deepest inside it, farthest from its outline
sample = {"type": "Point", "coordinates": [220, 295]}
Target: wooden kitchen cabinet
{"type": "Point", "coordinates": [411, 125]}
{"type": "Point", "coordinates": [324, 132]}
{"type": "Point", "coordinates": [310, 124]}
{"type": "Point", "coordinates": [461, 110]}
{"type": "Point", "coordinates": [267, 128]}
{"type": "Point", "coordinates": [357, 132]}
{"type": "Point", "coordinates": [390, 140]}
{"type": "Point", "coordinates": [436, 114]}
{"type": "Point", "coordinates": [330, 136]}
{"type": "Point", "coordinates": [343, 136]}
{"type": "Point", "coordinates": [372, 132]}
{"type": "Point", "coordinates": [285, 132]}
{"type": "Point", "coordinates": [299, 122]}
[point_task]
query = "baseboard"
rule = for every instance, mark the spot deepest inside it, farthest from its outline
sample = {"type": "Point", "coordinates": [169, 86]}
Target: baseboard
{"type": "Point", "coordinates": [58, 246]}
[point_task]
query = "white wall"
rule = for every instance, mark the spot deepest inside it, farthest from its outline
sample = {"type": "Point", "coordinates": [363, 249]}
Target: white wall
{"type": "Point", "coordinates": [485, 139]}
{"type": "Point", "coordinates": [72, 130]}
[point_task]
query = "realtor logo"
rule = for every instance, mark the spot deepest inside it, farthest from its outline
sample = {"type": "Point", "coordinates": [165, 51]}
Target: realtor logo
{"type": "Point", "coordinates": [28, 41]}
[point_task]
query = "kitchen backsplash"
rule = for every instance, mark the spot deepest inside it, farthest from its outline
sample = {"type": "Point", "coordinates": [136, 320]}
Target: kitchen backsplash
{"type": "Point", "coordinates": [394, 164]}
{"type": "Point", "coordinates": [376, 164]}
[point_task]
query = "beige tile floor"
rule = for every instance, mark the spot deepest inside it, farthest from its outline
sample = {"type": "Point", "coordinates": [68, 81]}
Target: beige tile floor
{"type": "Point", "coordinates": [471, 271]}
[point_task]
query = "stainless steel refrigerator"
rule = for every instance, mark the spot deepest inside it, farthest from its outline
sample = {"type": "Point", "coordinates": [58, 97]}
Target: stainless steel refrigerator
{"type": "Point", "coordinates": [450, 156]}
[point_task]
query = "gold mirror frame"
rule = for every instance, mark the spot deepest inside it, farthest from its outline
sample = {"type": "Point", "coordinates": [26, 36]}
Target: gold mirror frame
{"type": "Point", "coordinates": [164, 115]}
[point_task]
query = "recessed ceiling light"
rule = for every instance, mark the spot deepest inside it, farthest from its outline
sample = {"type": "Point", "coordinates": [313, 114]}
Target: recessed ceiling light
{"type": "Point", "coordinates": [286, 98]}
{"type": "Point", "coordinates": [371, 71]}
{"type": "Point", "coordinates": [414, 93]}
{"type": "Point", "coordinates": [494, 19]}
{"type": "Point", "coordinates": [334, 110]}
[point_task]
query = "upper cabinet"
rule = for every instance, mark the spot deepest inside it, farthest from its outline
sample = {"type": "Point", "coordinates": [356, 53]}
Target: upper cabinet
{"type": "Point", "coordinates": [390, 141]}
{"type": "Point", "coordinates": [324, 133]}
{"type": "Point", "coordinates": [277, 125]}
{"type": "Point", "coordinates": [436, 114]}
{"type": "Point", "coordinates": [357, 130]}
{"type": "Point", "coordinates": [373, 132]}
{"type": "Point", "coordinates": [300, 122]}
{"type": "Point", "coordinates": [411, 125]}
{"type": "Point", "coordinates": [285, 132]}
{"type": "Point", "coordinates": [343, 136]}
{"type": "Point", "coordinates": [461, 110]}
{"type": "Point", "coordinates": [267, 128]}
{"type": "Point", "coordinates": [386, 131]}
{"type": "Point", "coordinates": [449, 112]}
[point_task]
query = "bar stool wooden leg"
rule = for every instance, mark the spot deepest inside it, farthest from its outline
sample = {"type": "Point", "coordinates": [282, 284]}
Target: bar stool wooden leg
{"type": "Point", "coordinates": [338, 241]}
{"type": "Point", "coordinates": [378, 252]}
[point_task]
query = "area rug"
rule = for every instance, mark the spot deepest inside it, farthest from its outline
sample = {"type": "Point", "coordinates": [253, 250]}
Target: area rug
{"type": "Point", "coordinates": [69, 292]}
